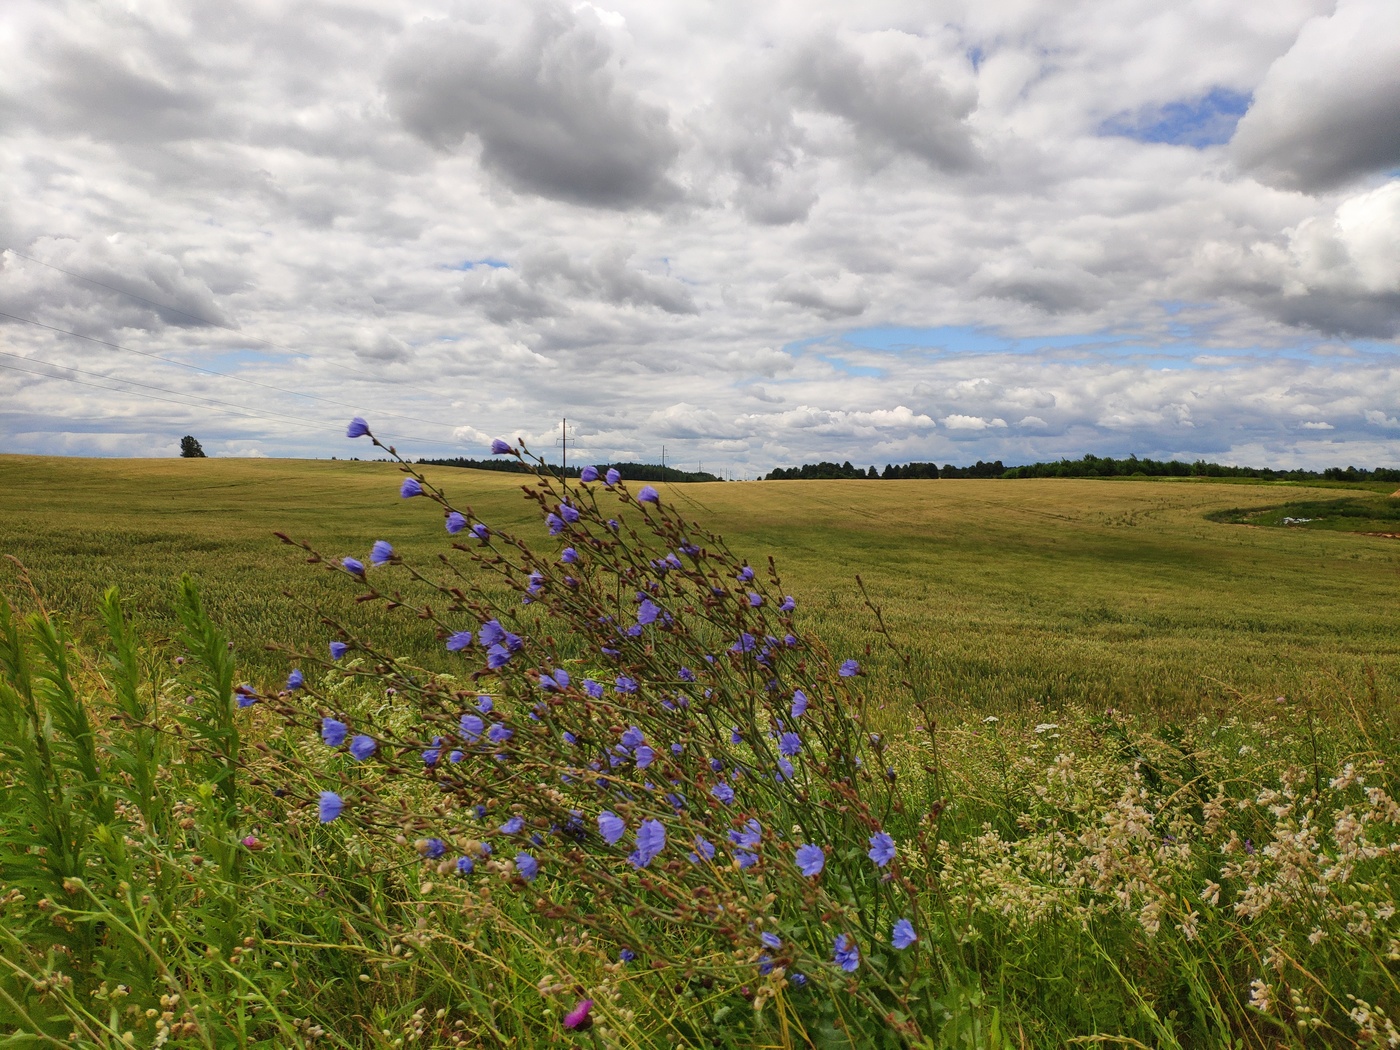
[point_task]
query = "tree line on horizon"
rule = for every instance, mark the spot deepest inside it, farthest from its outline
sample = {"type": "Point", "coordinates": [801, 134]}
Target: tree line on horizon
{"type": "Point", "coordinates": [629, 471]}
{"type": "Point", "coordinates": [1087, 466]}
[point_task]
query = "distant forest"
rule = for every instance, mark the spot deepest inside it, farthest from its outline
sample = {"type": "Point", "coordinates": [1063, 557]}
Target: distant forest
{"type": "Point", "coordinates": [1086, 467]}
{"type": "Point", "coordinates": [629, 471]}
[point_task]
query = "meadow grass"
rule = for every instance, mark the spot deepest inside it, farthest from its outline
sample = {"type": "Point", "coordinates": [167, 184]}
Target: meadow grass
{"type": "Point", "coordinates": [1141, 775]}
{"type": "Point", "coordinates": [1007, 594]}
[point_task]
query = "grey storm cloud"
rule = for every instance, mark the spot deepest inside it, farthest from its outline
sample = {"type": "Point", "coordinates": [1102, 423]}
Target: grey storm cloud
{"type": "Point", "coordinates": [549, 109]}
{"type": "Point", "coordinates": [1328, 111]}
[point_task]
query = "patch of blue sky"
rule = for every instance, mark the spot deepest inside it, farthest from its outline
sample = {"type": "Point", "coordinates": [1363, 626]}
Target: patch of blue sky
{"type": "Point", "coordinates": [963, 339]}
{"type": "Point", "coordinates": [471, 264]}
{"type": "Point", "coordinates": [233, 360]}
{"type": "Point", "coordinates": [1199, 122]}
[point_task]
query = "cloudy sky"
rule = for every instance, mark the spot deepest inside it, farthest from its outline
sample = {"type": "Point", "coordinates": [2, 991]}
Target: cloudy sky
{"type": "Point", "coordinates": [756, 234]}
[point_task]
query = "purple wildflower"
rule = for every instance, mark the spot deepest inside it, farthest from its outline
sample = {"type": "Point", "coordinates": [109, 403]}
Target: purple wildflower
{"type": "Point", "coordinates": [588, 474]}
{"type": "Point", "coordinates": [512, 826]}
{"type": "Point", "coordinates": [849, 669]}
{"type": "Point", "coordinates": [772, 940]}
{"type": "Point", "coordinates": [644, 756]}
{"type": "Point", "coordinates": [434, 848]}
{"type": "Point", "coordinates": [497, 657]}
{"type": "Point", "coordinates": [649, 495]}
{"type": "Point", "coordinates": [903, 935]}
{"type": "Point", "coordinates": [745, 574]}
{"type": "Point", "coordinates": [568, 556]}
{"type": "Point", "coordinates": [704, 849]}
{"type": "Point", "coordinates": [330, 806]}
{"type": "Point", "coordinates": [685, 674]}
{"type": "Point", "coordinates": [651, 840]}
{"type": "Point", "coordinates": [410, 488]}
{"type": "Point", "coordinates": [810, 860]}
{"type": "Point", "coordinates": [555, 523]}
{"type": "Point", "coordinates": [611, 827]}
{"type": "Point", "coordinates": [881, 848]}
{"type": "Point", "coordinates": [568, 512]}
{"type": "Point", "coordinates": [465, 865]}
{"type": "Point", "coordinates": [361, 747]}
{"type": "Point", "coordinates": [333, 731]}
{"type": "Point", "coordinates": [338, 649]}
{"type": "Point", "coordinates": [788, 604]}
{"type": "Point", "coordinates": [593, 689]}
{"type": "Point", "coordinates": [381, 552]}
{"type": "Point", "coordinates": [353, 566]}
{"type": "Point", "coordinates": [789, 744]}
{"type": "Point", "coordinates": [481, 532]}
{"type": "Point", "coordinates": [612, 477]}
{"type": "Point", "coordinates": [295, 680]}
{"type": "Point", "coordinates": [577, 1019]}
{"type": "Point", "coordinates": [471, 727]}
{"type": "Point", "coordinates": [499, 447]}
{"type": "Point", "coordinates": [648, 611]}
{"type": "Point", "coordinates": [846, 954]}
{"type": "Point", "coordinates": [755, 600]}
{"type": "Point", "coordinates": [459, 641]}
{"type": "Point", "coordinates": [455, 523]}
{"type": "Point", "coordinates": [723, 792]}
{"type": "Point", "coordinates": [799, 703]}
{"type": "Point", "coordinates": [625, 684]}
{"type": "Point", "coordinates": [357, 428]}
{"type": "Point", "coordinates": [527, 866]}
{"type": "Point", "coordinates": [500, 734]}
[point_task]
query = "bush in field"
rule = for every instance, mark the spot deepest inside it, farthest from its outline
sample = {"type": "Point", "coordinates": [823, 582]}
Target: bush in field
{"type": "Point", "coordinates": [642, 746]}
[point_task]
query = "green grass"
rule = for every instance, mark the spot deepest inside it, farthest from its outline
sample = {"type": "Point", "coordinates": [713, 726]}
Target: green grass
{"type": "Point", "coordinates": [1142, 777]}
{"type": "Point", "coordinates": [1008, 595]}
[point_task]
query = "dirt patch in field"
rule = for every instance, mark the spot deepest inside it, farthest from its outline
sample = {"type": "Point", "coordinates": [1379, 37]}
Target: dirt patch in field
{"type": "Point", "coordinates": [1384, 535]}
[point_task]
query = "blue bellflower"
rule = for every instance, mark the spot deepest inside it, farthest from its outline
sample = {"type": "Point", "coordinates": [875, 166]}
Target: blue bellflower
{"type": "Point", "coordinates": [611, 827]}
{"type": "Point", "coordinates": [881, 848]}
{"type": "Point", "coordinates": [810, 860]}
{"type": "Point", "coordinates": [333, 731]}
{"type": "Point", "coordinates": [330, 807]}
{"type": "Point", "coordinates": [651, 840]}
{"type": "Point", "coordinates": [903, 935]}
{"type": "Point", "coordinates": [846, 954]}
{"type": "Point", "coordinates": [361, 747]}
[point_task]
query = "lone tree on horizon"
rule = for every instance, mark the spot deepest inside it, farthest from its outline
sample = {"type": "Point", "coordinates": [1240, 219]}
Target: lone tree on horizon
{"type": "Point", "coordinates": [190, 448]}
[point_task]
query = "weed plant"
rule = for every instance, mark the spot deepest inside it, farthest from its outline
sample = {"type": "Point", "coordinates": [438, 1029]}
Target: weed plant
{"type": "Point", "coordinates": [634, 804]}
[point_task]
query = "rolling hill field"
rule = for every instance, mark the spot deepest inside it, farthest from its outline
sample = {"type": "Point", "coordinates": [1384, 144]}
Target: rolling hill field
{"type": "Point", "coordinates": [1004, 593]}
{"type": "Point", "coordinates": [1119, 769]}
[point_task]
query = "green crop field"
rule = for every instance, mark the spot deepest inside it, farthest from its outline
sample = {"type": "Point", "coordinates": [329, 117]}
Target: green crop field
{"type": "Point", "coordinates": [1119, 769]}
{"type": "Point", "coordinates": [1006, 593]}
